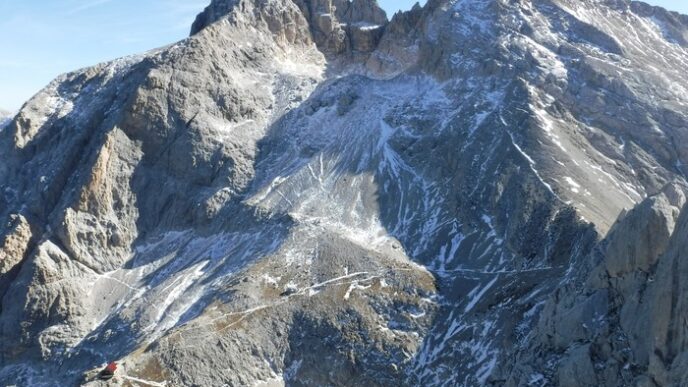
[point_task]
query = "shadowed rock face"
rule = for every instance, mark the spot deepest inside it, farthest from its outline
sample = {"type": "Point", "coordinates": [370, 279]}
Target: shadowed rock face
{"type": "Point", "coordinates": [305, 193]}
{"type": "Point", "coordinates": [615, 322]}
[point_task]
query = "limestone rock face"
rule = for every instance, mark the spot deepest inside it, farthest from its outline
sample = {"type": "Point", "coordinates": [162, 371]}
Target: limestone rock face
{"type": "Point", "coordinates": [16, 244]}
{"type": "Point", "coordinates": [616, 324]}
{"type": "Point", "coordinates": [336, 26]}
{"type": "Point", "coordinates": [304, 193]}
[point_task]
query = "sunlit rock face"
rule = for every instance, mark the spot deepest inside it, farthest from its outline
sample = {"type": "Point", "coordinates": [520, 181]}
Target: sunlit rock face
{"type": "Point", "coordinates": [305, 193]}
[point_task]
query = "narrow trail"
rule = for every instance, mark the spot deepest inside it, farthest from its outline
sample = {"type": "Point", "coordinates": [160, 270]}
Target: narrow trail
{"type": "Point", "coordinates": [470, 271]}
{"type": "Point", "coordinates": [347, 279]}
{"type": "Point", "coordinates": [144, 382]}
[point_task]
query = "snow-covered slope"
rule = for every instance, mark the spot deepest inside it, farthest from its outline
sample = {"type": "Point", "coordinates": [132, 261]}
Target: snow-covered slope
{"type": "Point", "coordinates": [304, 193]}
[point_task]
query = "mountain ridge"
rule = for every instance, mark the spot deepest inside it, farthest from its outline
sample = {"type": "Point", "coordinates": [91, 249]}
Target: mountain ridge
{"type": "Point", "coordinates": [391, 199]}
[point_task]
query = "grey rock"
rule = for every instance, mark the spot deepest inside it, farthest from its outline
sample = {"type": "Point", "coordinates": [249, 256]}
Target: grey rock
{"type": "Point", "coordinates": [302, 192]}
{"type": "Point", "coordinates": [630, 293]}
{"type": "Point", "coordinates": [577, 369]}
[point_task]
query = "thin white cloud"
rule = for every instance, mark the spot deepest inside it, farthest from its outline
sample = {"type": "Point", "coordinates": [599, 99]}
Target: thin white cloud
{"type": "Point", "coordinates": [43, 40]}
{"type": "Point", "coordinates": [181, 13]}
{"type": "Point", "coordinates": [87, 5]}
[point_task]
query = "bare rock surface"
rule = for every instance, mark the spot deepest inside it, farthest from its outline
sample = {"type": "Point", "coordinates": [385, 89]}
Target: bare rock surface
{"type": "Point", "coordinates": [303, 192]}
{"type": "Point", "coordinates": [616, 323]}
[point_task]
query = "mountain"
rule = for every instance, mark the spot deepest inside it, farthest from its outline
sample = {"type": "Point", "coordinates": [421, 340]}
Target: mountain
{"type": "Point", "coordinates": [303, 192]}
{"type": "Point", "coordinates": [5, 118]}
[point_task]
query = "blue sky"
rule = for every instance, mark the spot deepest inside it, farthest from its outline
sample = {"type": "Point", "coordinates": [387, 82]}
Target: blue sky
{"type": "Point", "coordinates": [40, 39]}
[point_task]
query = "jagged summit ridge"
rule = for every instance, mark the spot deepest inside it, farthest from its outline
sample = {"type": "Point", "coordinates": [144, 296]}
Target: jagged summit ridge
{"type": "Point", "coordinates": [336, 26]}
{"type": "Point", "coordinates": [307, 193]}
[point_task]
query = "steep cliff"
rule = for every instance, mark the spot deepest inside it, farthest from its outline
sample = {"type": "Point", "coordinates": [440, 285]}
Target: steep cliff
{"type": "Point", "coordinates": [305, 193]}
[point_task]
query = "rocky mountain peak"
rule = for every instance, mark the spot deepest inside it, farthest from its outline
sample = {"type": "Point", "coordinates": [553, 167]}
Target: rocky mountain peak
{"type": "Point", "coordinates": [345, 25]}
{"type": "Point", "coordinates": [337, 26]}
{"type": "Point", "coordinates": [475, 193]}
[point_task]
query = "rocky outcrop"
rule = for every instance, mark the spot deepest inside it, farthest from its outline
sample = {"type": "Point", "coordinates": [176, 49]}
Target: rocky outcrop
{"type": "Point", "coordinates": [336, 26]}
{"type": "Point", "coordinates": [616, 323]}
{"type": "Point", "coordinates": [303, 193]}
{"type": "Point", "coordinates": [341, 26]}
{"type": "Point", "coordinates": [16, 245]}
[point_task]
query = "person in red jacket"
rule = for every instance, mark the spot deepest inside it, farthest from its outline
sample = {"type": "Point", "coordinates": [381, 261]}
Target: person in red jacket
{"type": "Point", "coordinates": [108, 372]}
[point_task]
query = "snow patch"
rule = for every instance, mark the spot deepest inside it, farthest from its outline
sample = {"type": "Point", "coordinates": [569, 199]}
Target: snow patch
{"type": "Point", "coordinates": [574, 186]}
